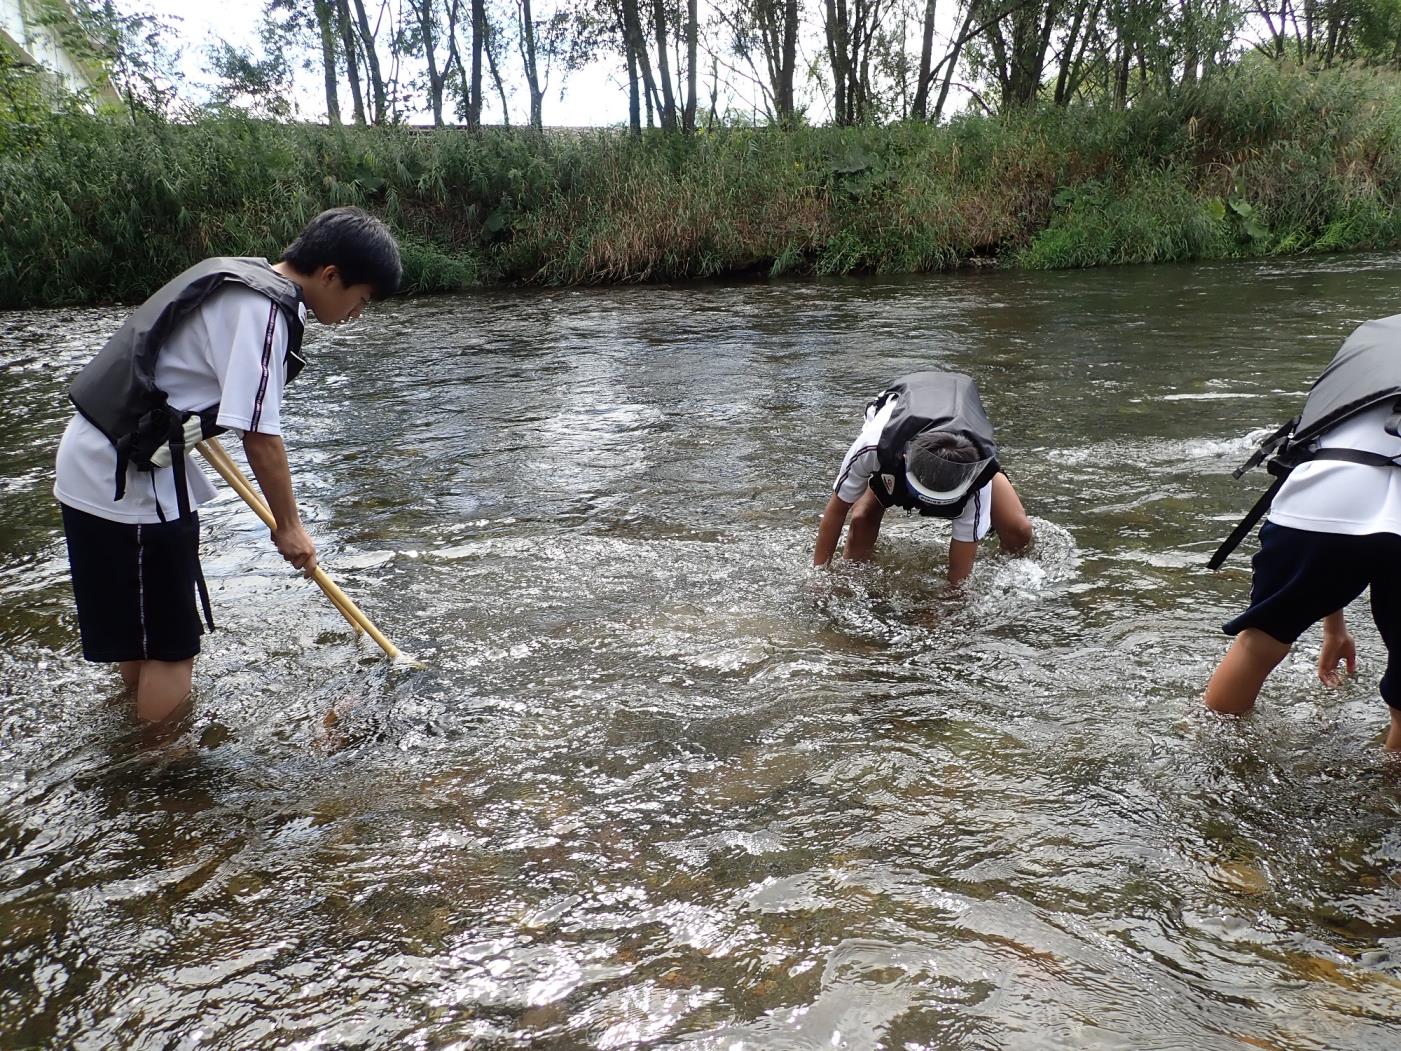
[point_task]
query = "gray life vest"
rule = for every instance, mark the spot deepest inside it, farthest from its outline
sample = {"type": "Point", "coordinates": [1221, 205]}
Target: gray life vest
{"type": "Point", "coordinates": [930, 401]}
{"type": "Point", "coordinates": [116, 392]}
{"type": "Point", "coordinates": [1365, 372]}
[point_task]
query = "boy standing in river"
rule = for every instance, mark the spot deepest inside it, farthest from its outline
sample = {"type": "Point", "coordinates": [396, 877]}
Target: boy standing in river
{"type": "Point", "coordinates": [927, 445]}
{"type": "Point", "coordinates": [1334, 528]}
{"type": "Point", "coordinates": [209, 352]}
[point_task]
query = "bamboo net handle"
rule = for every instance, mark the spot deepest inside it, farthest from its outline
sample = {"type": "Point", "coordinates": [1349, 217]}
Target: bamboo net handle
{"type": "Point", "coordinates": [220, 460]}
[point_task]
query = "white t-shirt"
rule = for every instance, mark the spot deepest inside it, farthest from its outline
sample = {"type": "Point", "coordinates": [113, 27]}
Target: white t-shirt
{"type": "Point", "coordinates": [862, 463]}
{"type": "Point", "coordinates": [1332, 496]}
{"type": "Point", "coordinates": [232, 351]}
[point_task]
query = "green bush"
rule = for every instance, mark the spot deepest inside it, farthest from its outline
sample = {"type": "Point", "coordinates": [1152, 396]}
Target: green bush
{"type": "Point", "coordinates": [1147, 217]}
{"type": "Point", "coordinates": [1259, 159]}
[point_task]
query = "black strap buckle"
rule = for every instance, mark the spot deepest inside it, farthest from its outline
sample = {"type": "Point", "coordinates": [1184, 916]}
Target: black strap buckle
{"type": "Point", "coordinates": [1393, 422]}
{"type": "Point", "coordinates": [1278, 440]}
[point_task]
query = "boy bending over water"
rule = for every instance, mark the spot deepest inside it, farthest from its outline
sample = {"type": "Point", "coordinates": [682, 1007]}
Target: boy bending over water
{"type": "Point", "coordinates": [927, 446]}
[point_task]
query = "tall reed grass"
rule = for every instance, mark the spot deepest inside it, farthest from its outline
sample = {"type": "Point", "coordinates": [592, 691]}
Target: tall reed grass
{"type": "Point", "coordinates": [1262, 160]}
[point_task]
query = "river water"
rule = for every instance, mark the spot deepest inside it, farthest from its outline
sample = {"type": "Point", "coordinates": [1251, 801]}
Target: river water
{"type": "Point", "coordinates": [659, 783]}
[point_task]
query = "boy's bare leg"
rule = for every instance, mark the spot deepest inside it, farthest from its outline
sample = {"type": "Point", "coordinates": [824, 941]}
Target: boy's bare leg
{"type": "Point", "coordinates": [164, 688]}
{"type": "Point", "coordinates": [1237, 680]}
{"type": "Point", "coordinates": [1009, 518]}
{"type": "Point", "coordinates": [1393, 737]}
{"type": "Point", "coordinates": [866, 517]}
{"type": "Point", "coordinates": [131, 673]}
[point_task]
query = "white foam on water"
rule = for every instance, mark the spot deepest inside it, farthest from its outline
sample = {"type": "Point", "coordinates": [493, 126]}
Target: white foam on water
{"type": "Point", "coordinates": [1208, 448]}
{"type": "Point", "coordinates": [1053, 558]}
{"type": "Point", "coordinates": [1173, 451]}
{"type": "Point", "coordinates": [364, 559]}
{"type": "Point", "coordinates": [1020, 575]}
{"type": "Point", "coordinates": [1172, 559]}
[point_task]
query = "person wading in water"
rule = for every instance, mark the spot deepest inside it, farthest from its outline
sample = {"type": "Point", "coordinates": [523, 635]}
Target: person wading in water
{"type": "Point", "coordinates": [926, 446]}
{"type": "Point", "coordinates": [209, 352]}
{"type": "Point", "coordinates": [1334, 528]}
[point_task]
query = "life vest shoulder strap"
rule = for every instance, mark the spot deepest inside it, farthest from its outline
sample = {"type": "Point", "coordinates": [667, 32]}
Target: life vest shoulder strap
{"type": "Point", "coordinates": [1245, 525]}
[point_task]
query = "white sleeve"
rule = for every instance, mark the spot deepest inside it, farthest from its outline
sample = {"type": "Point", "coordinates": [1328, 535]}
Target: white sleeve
{"type": "Point", "coordinates": [862, 460]}
{"type": "Point", "coordinates": [249, 338]}
{"type": "Point", "coordinates": [860, 463]}
{"type": "Point", "coordinates": [976, 518]}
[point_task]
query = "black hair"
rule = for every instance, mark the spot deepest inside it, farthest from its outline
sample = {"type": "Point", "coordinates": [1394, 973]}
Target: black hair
{"type": "Point", "coordinates": [939, 459]}
{"type": "Point", "coordinates": [357, 244]}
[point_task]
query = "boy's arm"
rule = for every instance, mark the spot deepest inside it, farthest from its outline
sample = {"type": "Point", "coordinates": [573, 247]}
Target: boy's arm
{"type": "Point", "coordinates": [962, 554]}
{"type": "Point", "coordinates": [830, 530]}
{"type": "Point", "coordinates": [969, 527]}
{"type": "Point", "coordinates": [268, 458]}
{"type": "Point", "coordinates": [1338, 646]}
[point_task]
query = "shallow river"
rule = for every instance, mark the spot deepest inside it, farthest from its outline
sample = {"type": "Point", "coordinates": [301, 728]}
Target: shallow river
{"type": "Point", "coordinates": [662, 784]}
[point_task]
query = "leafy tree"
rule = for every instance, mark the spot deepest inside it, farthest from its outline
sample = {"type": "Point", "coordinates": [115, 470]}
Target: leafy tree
{"type": "Point", "coordinates": [768, 30]}
{"type": "Point", "coordinates": [261, 82]}
{"type": "Point", "coordinates": [258, 85]}
{"type": "Point", "coordinates": [135, 50]}
{"type": "Point", "coordinates": [544, 44]}
{"type": "Point", "coordinates": [852, 29]}
{"type": "Point", "coordinates": [435, 25]}
{"type": "Point", "coordinates": [25, 101]}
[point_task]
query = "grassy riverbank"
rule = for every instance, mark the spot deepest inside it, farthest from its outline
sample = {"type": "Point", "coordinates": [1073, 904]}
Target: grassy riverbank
{"type": "Point", "coordinates": [1261, 161]}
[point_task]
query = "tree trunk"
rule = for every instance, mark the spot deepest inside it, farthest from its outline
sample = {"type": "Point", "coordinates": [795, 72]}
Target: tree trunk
{"type": "Point", "coordinates": [328, 59]}
{"type": "Point", "coordinates": [474, 87]}
{"type": "Point", "coordinates": [371, 61]}
{"type": "Point", "coordinates": [455, 66]}
{"type": "Point", "coordinates": [1043, 45]}
{"type": "Point", "coordinates": [632, 30]}
{"type": "Point", "coordinates": [532, 69]}
{"type": "Point", "coordinates": [952, 59]}
{"type": "Point", "coordinates": [352, 65]}
{"type": "Point", "coordinates": [424, 10]}
{"type": "Point", "coordinates": [1003, 64]}
{"type": "Point", "coordinates": [664, 66]}
{"type": "Point", "coordinates": [839, 58]}
{"type": "Point", "coordinates": [1072, 73]}
{"type": "Point", "coordinates": [1191, 51]}
{"type": "Point", "coordinates": [777, 25]}
{"type": "Point", "coordinates": [634, 99]}
{"type": "Point", "coordinates": [787, 101]}
{"type": "Point", "coordinates": [926, 55]}
{"type": "Point", "coordinates": [864, 28]}
{"type": "Point", "coordinates": [688, 120]}
{"type": "Point", "coordinates": [1067, 56]}
{"type": "Point", "coordinates": [714, 90]}
{"type": "Point", "coordinates": [489, 36]}
{"type": "Point", "coordinates": [1121, 78]}
{"type": "Point", "coordinates": [396, 56]}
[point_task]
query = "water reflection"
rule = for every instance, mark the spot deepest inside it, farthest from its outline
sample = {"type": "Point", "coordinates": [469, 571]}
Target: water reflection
{"type": "Point", "coordinates": [660, 782]}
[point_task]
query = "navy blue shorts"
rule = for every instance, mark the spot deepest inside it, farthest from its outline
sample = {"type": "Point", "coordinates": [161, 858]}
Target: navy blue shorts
{"type": "Point", "coordinates": [1299, 577]}
{"type": "Point", "coordinates": [135, 587]}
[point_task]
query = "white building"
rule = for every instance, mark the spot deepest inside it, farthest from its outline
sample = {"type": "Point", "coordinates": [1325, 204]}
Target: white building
{"type": "Point", "coordinates": [36, 44]}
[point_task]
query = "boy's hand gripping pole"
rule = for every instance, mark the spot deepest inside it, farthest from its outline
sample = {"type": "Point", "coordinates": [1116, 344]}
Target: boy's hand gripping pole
{"type": "Point", "coordinates": [218, 458]}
